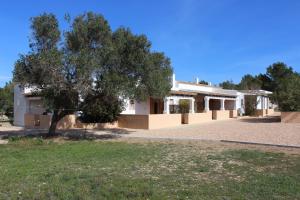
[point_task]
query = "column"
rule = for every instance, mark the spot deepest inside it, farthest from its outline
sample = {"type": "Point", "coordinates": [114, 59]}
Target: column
{"type": "Point", "coordinates": [166, 106]}
{"type": "Point", "coordinates": [206, 101]}
{"type": "Point", "coordinates": [222, 104]}
{"type": "Point", "coordinates": [234, 104]}
{"type": "Point", "coordinates": [192, 105]}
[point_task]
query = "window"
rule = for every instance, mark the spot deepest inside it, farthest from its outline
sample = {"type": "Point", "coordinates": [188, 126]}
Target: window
{"type": "Point", "coordinates": [131, 104]}
{"type": "Point", "coordinates": [171, 101]}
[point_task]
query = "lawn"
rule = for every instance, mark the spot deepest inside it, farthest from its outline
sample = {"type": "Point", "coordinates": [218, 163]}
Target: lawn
{"type": "Point", "coordinates": [43, 169]}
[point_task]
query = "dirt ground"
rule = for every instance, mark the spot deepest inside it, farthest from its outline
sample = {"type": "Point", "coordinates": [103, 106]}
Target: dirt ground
{"type": "Point", "coordinates": [268, 130]}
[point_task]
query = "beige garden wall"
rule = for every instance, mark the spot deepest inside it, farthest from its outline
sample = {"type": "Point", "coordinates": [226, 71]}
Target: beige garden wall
{"type": "Point", "coordinates": [157, 121]}
{"type": "Point", "coordinates": [270, 111]}
{"type": "Point", "coordinates": [96, 126]}
{"type": "Point", "coordinates": [133, 121]}
{"type": "Point", "coordinates": [261, 112]}
{"type": "Point", "coordinates": [44, 121]}
{"type": "Point", "coordinates": [195, 118]}
{"type": "Point", "coordinates": [233, 114]}
{"type": "Point", "coordinates": [220, 114]}
{"type": "Point", "coordinates": [290, 117]}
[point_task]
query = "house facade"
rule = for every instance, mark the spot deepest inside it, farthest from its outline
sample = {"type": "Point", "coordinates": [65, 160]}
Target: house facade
{"type": "Point", "coordinates": [206, 103]}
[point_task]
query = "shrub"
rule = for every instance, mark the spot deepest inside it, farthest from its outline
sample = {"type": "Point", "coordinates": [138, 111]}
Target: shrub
{"type": "Point", "coordinates": [250, 105]}
{"type": "Point", "coordinates": [184, 106]}
{"type": "Point", "coordinates": [100, 108]}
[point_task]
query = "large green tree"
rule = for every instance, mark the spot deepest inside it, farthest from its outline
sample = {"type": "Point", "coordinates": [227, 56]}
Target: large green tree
{"type": "Point", "coordinates": [91, 63]}
{"type": "Point", "coordinates": [283, 81]}
{"type": "Point", "coordinates": [7, 100]}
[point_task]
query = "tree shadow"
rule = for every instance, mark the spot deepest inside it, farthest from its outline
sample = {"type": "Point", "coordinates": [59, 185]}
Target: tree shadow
{"type": "Point", "coordinates": [71, 134]}
{"type": "Point", "coordinates": [268, 119]}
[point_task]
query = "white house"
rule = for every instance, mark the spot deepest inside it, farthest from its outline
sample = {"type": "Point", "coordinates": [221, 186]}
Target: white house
{"type": "Point", "coordinates": [202, 98]}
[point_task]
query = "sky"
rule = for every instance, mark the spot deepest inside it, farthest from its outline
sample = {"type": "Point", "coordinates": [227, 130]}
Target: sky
{"type": "Point", "coordinates": [213, 40]}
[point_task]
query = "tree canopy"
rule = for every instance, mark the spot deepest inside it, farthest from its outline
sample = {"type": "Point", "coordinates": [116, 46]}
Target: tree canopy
{"type": "Point", "coordinates": [7, 100]}
{"type": "Point", "coordinates": [280, 79]}
{"type": "Point", "coordinates": [90, 62]}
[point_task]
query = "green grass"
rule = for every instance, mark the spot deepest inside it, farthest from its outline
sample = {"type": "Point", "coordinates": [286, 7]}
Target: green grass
{"type": "Point", "coordinates": [38, 169]}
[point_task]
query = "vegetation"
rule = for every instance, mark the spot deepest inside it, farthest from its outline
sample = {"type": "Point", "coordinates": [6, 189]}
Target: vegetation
{"type": "Point", "coordinates": [230, 85]}
{"type": "Point", "coordinates": [280, 79]}
{"type": "Point", "coordinates": [250, 105]}
{"type": "Point", "coordinates": [7, 100]}
{"type": "Point", "coordinates": [284, 82]}
{"type": "Point", "coordinates": [90, 61]}
{"type": "Point", "coordinates": [37, 169]}
{"type": "Point", "coordinates": [203, 82]}
{"type": "Point", "coordinates": [184, 106]}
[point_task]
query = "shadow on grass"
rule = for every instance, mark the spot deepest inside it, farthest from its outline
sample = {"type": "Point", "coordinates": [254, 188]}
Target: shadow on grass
{"type": "Point", "coordinates": [71, 134]}
{"type": "Point", "coordinates": [269, 119]}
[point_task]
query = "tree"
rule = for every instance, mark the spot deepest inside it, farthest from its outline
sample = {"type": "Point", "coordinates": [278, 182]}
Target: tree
{"type": "Point", "coordinates": [7, 99]}
{"type": "Point", "coordinates": [285, 85]}
{"type": "Point", "coordinates": [250, 104]}
{"type": "Point", "coordinates": [203, 82]}
{"type": "Point", "coordinates": [91, 63]}
{"type": "Point", "coordinates": [105, 108]}
{"type": "Point", "coordinates": [45, 69]}
{"type": "Point", "coordinates": [230, 85]}
{"type": "Point", "coordinates": [249, 82]}
{"type": "Point", "coordinates": [184, 106]}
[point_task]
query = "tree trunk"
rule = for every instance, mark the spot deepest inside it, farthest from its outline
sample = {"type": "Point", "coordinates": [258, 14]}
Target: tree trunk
{"type": "Point", "coordinates": [54, 121]}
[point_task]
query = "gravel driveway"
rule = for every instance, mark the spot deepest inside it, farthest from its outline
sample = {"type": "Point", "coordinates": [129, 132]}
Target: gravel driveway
{"type": "Point", "coordinates": [267, 130]}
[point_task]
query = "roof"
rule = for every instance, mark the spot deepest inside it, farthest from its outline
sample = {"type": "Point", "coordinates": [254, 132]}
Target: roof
{"type": "Point", "coordinates": [256, 92]}
{"type": "Point", "coordinates": [203, 89]}
{"type": "Point", "coordinates": [183, 93]}
{"type": "Point", "coordinates": [198, 84]}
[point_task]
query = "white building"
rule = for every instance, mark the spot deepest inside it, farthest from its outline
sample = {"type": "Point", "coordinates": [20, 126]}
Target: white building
{"type": "Point", "coordinates": [202, 98]}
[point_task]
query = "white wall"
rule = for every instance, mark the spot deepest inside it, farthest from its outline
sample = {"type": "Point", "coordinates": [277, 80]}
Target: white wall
{"type": "Point", "coordinates": [142, 108]}
{"type": "Point", "coordinates": [20, 106]}
{"type": "Point", "coordinates": [239, 100]}
{"type": "Point", "coordinates": [128, 110]}
{"type": "Point", "coordinates": [139, 108]}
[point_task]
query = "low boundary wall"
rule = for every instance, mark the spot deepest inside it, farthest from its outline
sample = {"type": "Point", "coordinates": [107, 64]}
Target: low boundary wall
{"type": "Point", "coordinates": [290, 117]}
{"type": "Point", "coordinates": [133, 121]}
{"type": "Point", "coordinates": [195, 118]}
{"type": "Point", "coordinates": [67, 122]}
{"type": "Point", "coordinates": [270, 111]}
{"type": "Point", "coordinates": [220, 114]}
{"type": "Point", "coordinates": [96, 126]}
{"type": "Point", "coordinates": [261, 112]}
{"type": "Point", "coordinates": [233, 114]}
{"type": "Point", "coordinates": [44, 121]}
{"type": "Point", "coordinates": [157, 121]}
{"type": "Point", "coordinates": [154, 121]}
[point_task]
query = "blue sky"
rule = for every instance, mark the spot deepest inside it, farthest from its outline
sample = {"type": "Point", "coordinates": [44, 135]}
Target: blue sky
{"type": "Point", "coordinates": [213, 40]}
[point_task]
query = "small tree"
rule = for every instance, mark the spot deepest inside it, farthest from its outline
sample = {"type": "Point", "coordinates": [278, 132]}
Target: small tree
{"type": "Point", "coordinates": [184, 106]}
{"type": "Point", "coordinates": [100, 108]}
{"type": "Point", "coordinates": [250, 104]}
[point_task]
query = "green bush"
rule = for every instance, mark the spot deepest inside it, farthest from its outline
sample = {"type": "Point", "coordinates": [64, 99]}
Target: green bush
{"type": "Point", "coordinates": [100, 108]}
{"type": "Point", "coordinates": [250, 105]}
{"type": "Point", "coordinates": [184, 106]}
